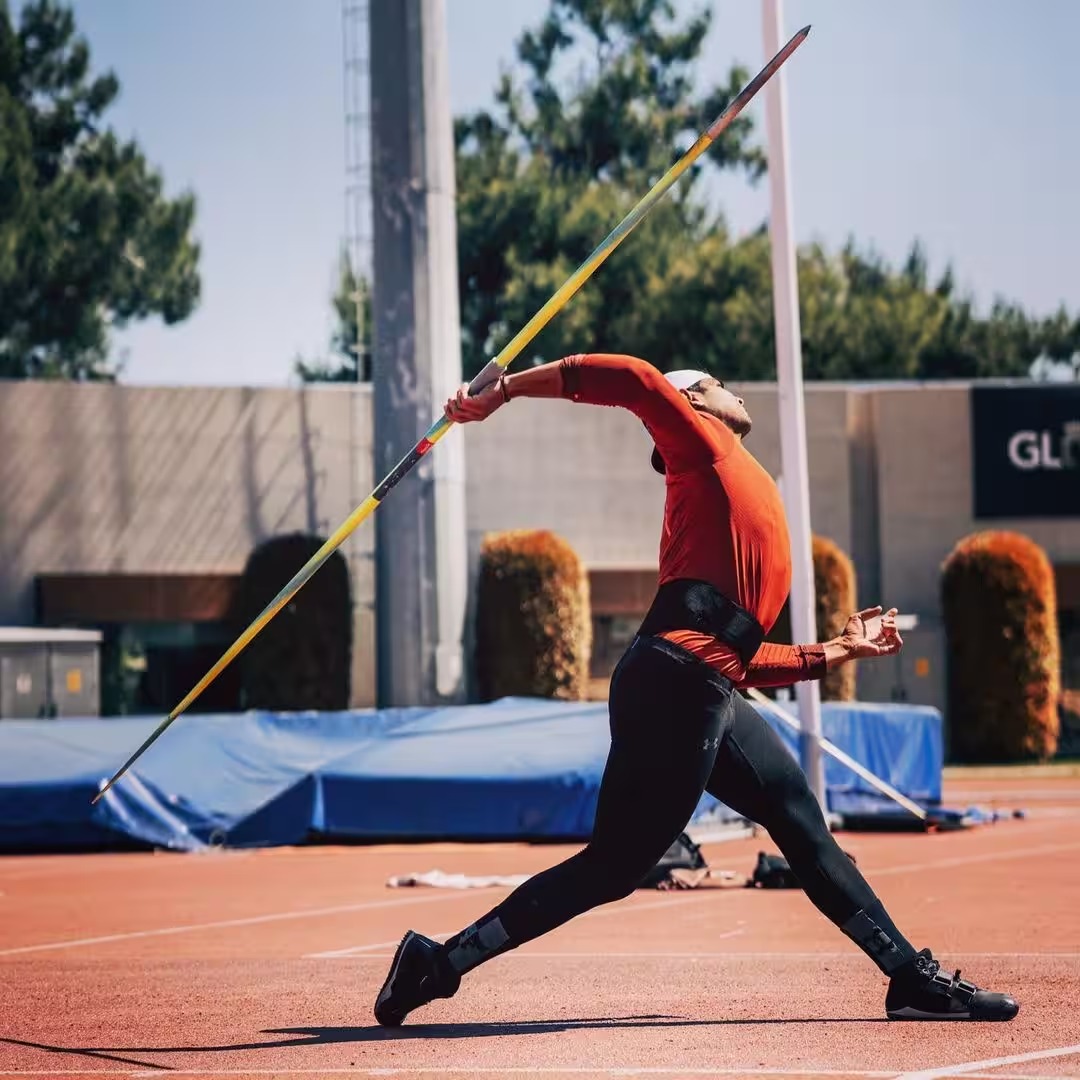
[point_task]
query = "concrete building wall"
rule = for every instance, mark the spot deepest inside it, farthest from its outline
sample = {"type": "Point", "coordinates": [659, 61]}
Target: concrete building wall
{"type": "Point", "coordinates": [923, 446]}
{"type": "Point", "coordinates": [154, 480]}
{"type": "Point", "coordinates": [583, 472]}
{"type": "Point", "coordinates": [118, 479]}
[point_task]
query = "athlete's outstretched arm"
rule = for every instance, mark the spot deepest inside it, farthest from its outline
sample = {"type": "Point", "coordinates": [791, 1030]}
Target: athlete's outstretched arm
{"type": "Point", "coordinates": [782, 665]}
{"type": "Point", "coordinates": [629, 382]}
{"type": "Point", "coordinates": [868, 633]}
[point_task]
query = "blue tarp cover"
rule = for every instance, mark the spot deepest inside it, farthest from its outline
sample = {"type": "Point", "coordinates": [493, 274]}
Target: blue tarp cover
{"type": "Point", "coordinates": [518, 768]}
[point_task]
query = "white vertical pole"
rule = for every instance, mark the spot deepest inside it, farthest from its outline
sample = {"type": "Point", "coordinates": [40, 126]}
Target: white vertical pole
{"type": "Point", "coordinates": [422, 556]}
{"type": "Point", "coordinates": [792, 416]}
{"type": "Point", "coordinates": [451, 551]}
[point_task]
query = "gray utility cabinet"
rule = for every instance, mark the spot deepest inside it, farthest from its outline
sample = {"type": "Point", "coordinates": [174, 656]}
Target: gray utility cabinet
{"type": "Point", "coordinates": [47, 673]}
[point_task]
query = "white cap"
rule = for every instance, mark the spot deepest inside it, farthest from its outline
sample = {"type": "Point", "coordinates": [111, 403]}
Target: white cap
{"type": "Point", "coordinates": [683, 380]}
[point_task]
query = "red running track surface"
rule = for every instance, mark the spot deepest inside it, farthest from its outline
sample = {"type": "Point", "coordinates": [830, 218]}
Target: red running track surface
{"type": "Point", "coordinates": [266, 964]}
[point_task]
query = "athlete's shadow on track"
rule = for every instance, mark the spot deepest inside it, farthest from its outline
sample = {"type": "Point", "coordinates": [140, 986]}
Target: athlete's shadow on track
{"type": "Point", "coordinates": [326, 1036]}
{"type": "Point", "coordinates": [374, 1033]}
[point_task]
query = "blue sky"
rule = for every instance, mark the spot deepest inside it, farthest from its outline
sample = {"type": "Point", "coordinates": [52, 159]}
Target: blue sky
{"type": "Point", "coordinates": [953, 121]}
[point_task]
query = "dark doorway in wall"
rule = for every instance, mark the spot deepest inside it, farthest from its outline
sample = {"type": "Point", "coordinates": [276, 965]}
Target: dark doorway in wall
{"type": "Point", "coordinates": [1069, 628]}
{"type": "Point", "coordinates": [619, 600]}
{"type": "Point", "coordinates": [1067, 578]}
{"type": "Point", "coordinates": [162, 633]}
{"type": "Point", "coordinates": [148, 668]}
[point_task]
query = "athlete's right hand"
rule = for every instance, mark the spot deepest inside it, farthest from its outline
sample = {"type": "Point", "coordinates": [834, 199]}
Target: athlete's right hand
{"type": "Point", "coordinates": [871, 633]}
{"type": "Point", "coordinates": [463, 409]}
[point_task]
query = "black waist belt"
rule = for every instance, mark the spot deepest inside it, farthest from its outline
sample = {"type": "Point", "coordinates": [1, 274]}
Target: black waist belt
{"type": "Point", "coordinates": [686, 604]}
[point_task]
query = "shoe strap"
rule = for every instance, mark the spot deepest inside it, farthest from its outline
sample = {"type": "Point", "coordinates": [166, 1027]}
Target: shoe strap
{"type": "Point", "coordinates": [953, 985]}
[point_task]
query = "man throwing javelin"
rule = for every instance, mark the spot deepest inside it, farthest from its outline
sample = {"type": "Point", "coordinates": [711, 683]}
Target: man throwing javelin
{"type": "Point", "coordinates": [677, 725]}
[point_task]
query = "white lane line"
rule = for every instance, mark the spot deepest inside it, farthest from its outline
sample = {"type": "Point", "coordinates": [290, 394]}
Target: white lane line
{"type": "Point", "coordinates": [554, 1070]}
{"type": "Point", "coordinates": [1015, 1076]}
{"type": "Point", "coordinates": [518, 1070]}
{"type": "Point", "coordinates": [620, 955]}
{"type": "Point", "coordinates": [534, 1070]}
{"type": "Point", "coordinates": [335, 954]}
{"type": "Point", "coordinates": [756, 957]}
{"type": "Point", "coordinates": [369, 952]}
{"type": "Point", "coordinates": [466, 1070]}
{"type": "Point", "coordinates": [965, 860]}
{"type": "Point", "coordinates": [1018, 853]}
{"type": "Point", "coordinates": [854, 954]}
{"type": "Point", "coordinates": [342, 954]}
{"type": "Point", "coordinates": [990, 1063]}
{"type": "Point", "coordinates": [185, 860]}
{"type": "Point", "coordinates": [679, 897]}
{"type": "Point", "coordinates": [254, 920]}
{"type": "Point", "coordinates": [356, 950]}
{"type": "Point", "coordinates": [582, 956]}
{"type": "Point", "coordinates": [284, 916]}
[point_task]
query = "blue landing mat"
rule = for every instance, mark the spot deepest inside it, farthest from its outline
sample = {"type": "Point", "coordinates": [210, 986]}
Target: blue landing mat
{"type": "Point", "coordinates": [519, 768]}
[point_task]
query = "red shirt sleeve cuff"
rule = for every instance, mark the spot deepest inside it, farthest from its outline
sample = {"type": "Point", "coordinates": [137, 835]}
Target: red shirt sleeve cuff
{"type": "Point", "coordinates": [814, 658]}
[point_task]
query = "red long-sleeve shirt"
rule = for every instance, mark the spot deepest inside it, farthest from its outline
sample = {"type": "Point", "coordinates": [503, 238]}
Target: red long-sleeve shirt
{"type": "Point", "coordinates": [724, 520]}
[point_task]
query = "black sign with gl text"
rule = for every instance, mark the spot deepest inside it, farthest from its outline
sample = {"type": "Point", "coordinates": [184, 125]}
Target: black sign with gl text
{"type": "Point", "coordinates": [1025, 448]}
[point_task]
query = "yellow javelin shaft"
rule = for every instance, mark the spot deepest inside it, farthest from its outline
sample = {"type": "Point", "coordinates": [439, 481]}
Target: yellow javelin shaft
{"type": "Point", "coordinates": [845, 759]}
{"type": "Point", "coordinates": [490, 373]}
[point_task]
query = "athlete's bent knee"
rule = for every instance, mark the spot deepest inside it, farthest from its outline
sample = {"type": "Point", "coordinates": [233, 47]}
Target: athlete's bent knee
{"type": "Point", "coordinates": [614, 878]}
{"type": "Point", "coordinates": [793, 806]}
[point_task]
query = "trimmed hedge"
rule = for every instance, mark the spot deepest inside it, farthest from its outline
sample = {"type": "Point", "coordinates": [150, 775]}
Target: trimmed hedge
{"type": "Point", "coordinates": [834, 593]}
{"type": "Point", "coordinates": [835, 601]}
{"type": "Point", "coordinates": [301, 659]}
{"type": "Point", "coordinates": [1002, 650]}
{"type": "Point", "coordinates": [533, 620]}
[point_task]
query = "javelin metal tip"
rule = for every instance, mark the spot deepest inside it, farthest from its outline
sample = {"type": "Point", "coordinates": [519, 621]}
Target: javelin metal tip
{"type": "Point", "coordinates": [804, 31]}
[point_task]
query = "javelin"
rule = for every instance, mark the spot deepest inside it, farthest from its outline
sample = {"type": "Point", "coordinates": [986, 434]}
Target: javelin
{"type": "Point", "coordinates": [844, 759]}
{"type": "Point", "coordinates": [485, 378]}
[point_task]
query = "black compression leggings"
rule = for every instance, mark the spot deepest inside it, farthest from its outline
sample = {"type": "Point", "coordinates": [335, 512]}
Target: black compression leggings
{"type": "Point", "coordinates": [677, 728]}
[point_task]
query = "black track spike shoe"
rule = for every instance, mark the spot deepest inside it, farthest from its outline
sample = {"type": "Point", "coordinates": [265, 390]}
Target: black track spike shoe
{"type": "Point", "coordinates": [922, 991]}
{"type": "Point", "coordinates": [416, 977]}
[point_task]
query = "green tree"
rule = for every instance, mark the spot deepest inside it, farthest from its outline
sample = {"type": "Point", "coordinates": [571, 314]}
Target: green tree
{"type": "Point", "coordinates": [1060, 340]}
{"type": "Point", "coordinates": [350, 344]}
{"type": "Point", "coordinates": [87, 239]}
{"type": "Point", "coordinates": [601, 102]}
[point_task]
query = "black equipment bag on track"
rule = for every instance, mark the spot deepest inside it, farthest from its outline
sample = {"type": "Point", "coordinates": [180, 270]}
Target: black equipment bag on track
{"type": "Point", "coordinates": [684, 854]}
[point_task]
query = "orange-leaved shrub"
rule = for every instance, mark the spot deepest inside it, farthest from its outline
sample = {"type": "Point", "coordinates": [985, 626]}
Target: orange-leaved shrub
{"type": "Point", "coordinates": [834, 602]}
{"type": "Point", "coordinates": [533, 621]}
{"type": "Point", "coordinates": [302, 658]}
{"type": "Point", "coordinates": [1003, 653]}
